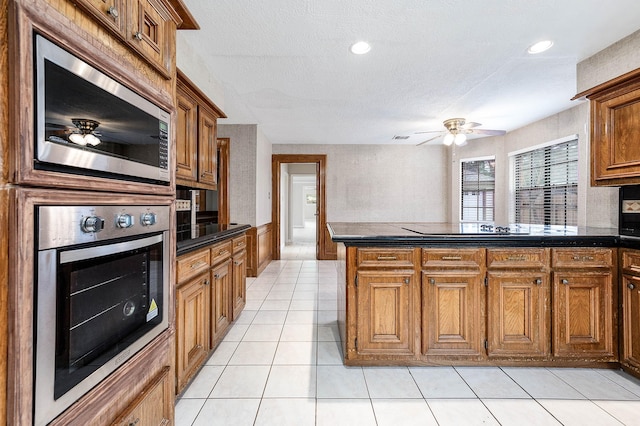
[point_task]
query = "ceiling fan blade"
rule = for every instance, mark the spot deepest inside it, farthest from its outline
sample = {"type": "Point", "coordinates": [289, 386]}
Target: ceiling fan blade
{"type": "Point", "coordinates": [488, 132]}
{"type": "Point", "coordinates": [428, 131]}
{"type": "Point", "coordinates": [470, 125]}
{"type": "Point", "coordinates": [429, 140]}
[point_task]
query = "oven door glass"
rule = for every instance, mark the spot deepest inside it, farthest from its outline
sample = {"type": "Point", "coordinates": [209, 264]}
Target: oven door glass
{"type": "Point", "coordinates": [107, 297]}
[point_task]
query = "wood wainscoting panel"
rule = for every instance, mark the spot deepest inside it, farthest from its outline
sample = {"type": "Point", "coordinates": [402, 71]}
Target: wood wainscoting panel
{"type": "Point", "coordinates": [259, 246]}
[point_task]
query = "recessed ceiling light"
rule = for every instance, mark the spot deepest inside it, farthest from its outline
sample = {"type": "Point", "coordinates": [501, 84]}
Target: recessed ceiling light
{"type": "Point", "coordinates": [540, 47]}
{"type": "Point", "coordinates": [360, 48]}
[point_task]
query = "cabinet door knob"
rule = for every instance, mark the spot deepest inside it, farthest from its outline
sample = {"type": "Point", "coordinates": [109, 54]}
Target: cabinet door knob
{"type": "Point", "coordinates": [432, 281]}
{"type": "Point", "coordinates": [631, 286]}
{"type": "Point", "coordinates": [538, 281]}
{"type": "Point", "coordinates": [137, 35]}
{"type": "Point", "coordinates": [564, 281]}
{"type": "Point", "coordinates": [206, 282]}
{"type": "Point", "coordinates": [407, 280]}
{"type": "Point", "coordinates": [113, 11]}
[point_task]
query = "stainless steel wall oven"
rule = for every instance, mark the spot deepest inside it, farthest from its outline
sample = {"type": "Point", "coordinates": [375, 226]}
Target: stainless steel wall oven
{"type": "Point", "coordinates": [102, 294]}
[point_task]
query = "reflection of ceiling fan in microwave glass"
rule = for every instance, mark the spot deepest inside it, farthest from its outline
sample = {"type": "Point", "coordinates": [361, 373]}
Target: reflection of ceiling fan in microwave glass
{"type": "Point", "coordinates": [85, 132]}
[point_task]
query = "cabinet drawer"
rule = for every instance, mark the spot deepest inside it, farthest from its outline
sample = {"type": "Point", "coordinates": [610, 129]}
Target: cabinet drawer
{"type": "Point", "coordinates": [582, 258]}
{"type": "Point", "coordinates": [220, 252]}
{"type": "Point", "coordinates": [453, 258]}
{"type": "Point", "coordinates": [517, 258]}
{"type": "Point", "coordinates": [239, 243]}
{"type": "Point", "coordinates": [192, 264]}
{"type": "Point", "coordinates": [385, 258]}
{"type": "Point", "coordinates": [631, 260]}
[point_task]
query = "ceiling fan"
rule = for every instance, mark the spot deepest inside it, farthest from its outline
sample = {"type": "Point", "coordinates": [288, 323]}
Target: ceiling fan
{"type": "Point", "coordinates": [457, 131]}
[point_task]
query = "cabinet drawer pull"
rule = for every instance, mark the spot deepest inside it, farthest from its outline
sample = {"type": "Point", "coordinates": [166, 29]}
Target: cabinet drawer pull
{"type": "Point", "coordinates": [432, 281]}
{"type": "Point", "coordinates": [631, 286]}
{"type": "Point", "coordinates": [407, 280]}
{"type": "Point", "coordinates": [235, 262]}
{"type": "Point", "coordinates": [564, 281]}
{"type": "Point", "coordinates": [583, 258]}
{"type": "Point", "coordinates": [451, 257]}
{"type": "Point", "coordinates": [216, 276]}
{"type": "Point", "coordinates": [221, 252]}
{"type": "Point", "coordinates": [538, 281]}
{"type": "Point", "coordinates": [199, 264]}
{"type": "Point", "coordinates": [387, 258]}
{"type": "Point", "coordinates": [517, 258]}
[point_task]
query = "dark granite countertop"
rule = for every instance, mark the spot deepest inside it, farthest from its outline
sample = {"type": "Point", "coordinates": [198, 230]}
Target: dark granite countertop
{"type": "Point", "coordinates": [190, 238]}
{"type": "Point", "coordinates": [453, 234]}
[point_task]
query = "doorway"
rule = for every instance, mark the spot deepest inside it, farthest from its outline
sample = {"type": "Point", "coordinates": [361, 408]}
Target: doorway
{"type": "Point", "coordinates": [313, 207]}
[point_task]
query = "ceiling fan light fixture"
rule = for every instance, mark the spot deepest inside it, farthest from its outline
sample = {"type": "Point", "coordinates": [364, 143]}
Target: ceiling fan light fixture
{"type": "Point", "coordinates": [77, 138]}
{"type": "Point", "coordinates": [540, 47]}
{"type": "Point", "coordinates": [360, 48]}
{"type": "Point", "coordinates": [448, 139]}
{"type": "Point", "coordinates": [91, 139]}
{"type": "Point", "coordinates": [460, 139]}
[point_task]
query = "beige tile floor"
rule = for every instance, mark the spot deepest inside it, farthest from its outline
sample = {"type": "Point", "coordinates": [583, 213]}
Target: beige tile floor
{"type": "Point", "coordinates": [280, 365]}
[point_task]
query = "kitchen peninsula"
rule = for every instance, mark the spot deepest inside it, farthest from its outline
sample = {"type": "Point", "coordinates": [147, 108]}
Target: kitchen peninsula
{"type": "Point", "coordinates": [466, 294]}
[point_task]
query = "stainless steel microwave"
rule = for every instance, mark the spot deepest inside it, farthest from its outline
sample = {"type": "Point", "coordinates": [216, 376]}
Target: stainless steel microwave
{"type": "Point", "coordinates": [88, 123]}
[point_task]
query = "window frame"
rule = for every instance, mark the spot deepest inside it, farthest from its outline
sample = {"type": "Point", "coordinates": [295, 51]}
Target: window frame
{"type": "Point", "coordinates": [461, 187]}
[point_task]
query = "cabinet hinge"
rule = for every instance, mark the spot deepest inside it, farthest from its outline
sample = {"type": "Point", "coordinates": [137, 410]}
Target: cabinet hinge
{"type": "Point", "coordinates": [486, 344]}
{"type": "Point", "coordinates": [486, 281]}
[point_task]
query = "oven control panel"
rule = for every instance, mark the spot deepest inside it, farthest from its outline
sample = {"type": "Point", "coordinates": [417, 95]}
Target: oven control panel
{"type": "Point", "coordinates": [60, 226]}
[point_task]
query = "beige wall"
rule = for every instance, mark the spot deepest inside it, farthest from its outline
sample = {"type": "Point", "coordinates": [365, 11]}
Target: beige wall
{"type": "Point", "coordinates": [392, 183]}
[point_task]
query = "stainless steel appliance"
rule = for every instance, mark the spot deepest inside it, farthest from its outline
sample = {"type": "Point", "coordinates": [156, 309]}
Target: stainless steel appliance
{"type": "Point", "coordinates": [102, 295]}
{"type": "Point", "coordinates": [629, 219]}
{"type": "Point", "coordinates": [88, 123]}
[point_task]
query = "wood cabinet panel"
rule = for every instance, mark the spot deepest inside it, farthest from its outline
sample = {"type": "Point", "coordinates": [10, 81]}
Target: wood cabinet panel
{"type": "Point", "coordinates": [631, 321]}
{"type": "Point", "coordinates": [582, 314]}
{"type": "Point", "coordinates": [111, 13]}
{"type": "Point", "coordinates": [192, 264]}
{"type": "Point", "coordinates": [220, 252]}
{"type": "Point", "coordinates": [385, 312]}
{"type": "Point", "coordinates": [187, 134]}
{"type": "Point", "coordinates": [207, 147]}
{"type": "Point", "coordinates": [452, 313]}
{"type": "Point", "coordinates": [582, 258]}
{"type": "Point", "coordinates": [192, 327]}
{"type": "Point", "coordinates": [239, 287]}
{"type": "Point", "coordinates": [220, 300]}
{"type": "Point", "coordinates": [516, 314]}
{"type": "Point", "coordinates": [239, 243]}
{"type": "Point", "coordinates": [384, 258]}
{"type": "Point", "coordinates": [151, 33]}
{"type": "Point", "coordinates": [453, 258]}
{"type": "Point", "coordinates": [631, 261]}
{"type": "Point", "coordinates": [154, 406]}
{"type": "Point", "coordinates": [513, 258]}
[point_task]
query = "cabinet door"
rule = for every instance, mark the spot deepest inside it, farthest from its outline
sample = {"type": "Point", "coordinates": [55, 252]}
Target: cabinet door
{"type": "Point", "coordinates": [207, 148]}
{"type": "Point", "coordinates": [452, 313]}
{"type": "Point", "coordinates": [516, 314]}
{"type": "Point", "coordinates": [239, 291]}
{"type": "Point", "coordinates": [220, 300]}
{"type": "Point", "coordinates": [110, 13]}
{"type": "Point", "coordinates": [192, 327]}
{"type": "Point", "coordinates": [385, 317]}
{"type": "Point", "coordinates": [150, 33]}
{"type": "Point", "coordinates": [187, 135]}
{"type": "Point", "coordinates": [631, 320]}
{"type": "Point", "coordinates": [582, 314]}
{"type": "Point", "coordinates": [154, 406]}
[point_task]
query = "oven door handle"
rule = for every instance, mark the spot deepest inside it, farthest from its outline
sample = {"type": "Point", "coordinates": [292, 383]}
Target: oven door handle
{"type": "Point", "coordinates": [107, 249]}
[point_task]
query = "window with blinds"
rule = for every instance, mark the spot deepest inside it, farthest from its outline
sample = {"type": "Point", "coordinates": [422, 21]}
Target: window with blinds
{"type": "Point", "coordinates": [546, 185]}
{"type": "Point", "coordinates": [478, 189]}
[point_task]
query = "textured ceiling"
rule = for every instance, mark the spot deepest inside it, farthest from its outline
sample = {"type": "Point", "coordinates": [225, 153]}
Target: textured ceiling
{"type": "Point", "coordinates": [285, 64]}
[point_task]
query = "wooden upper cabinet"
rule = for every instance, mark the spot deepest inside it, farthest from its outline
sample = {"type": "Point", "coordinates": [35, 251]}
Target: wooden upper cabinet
{"type": "Point", "coordinates": [207, 147]}
{"type": "Point", "coordinates": [111, 13]}
{"type": "Point", "coordinates": [197, 143]}
{"type": "Point", "coordinates": [152, 33]}
{"type": "Point", "coordinates": [615, 130]}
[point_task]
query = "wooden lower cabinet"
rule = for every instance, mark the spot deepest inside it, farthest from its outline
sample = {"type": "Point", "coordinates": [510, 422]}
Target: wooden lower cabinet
{"type": "Point", "coordinates": [192, 327]}
{"type": "Point", "coordinates": [453, 321]}
{"type": "Point", "coordinates": [220, 300]}
{"type": "Point", "coordinates": [631, 321]}
{"type": "Point", "coordinates": [385, 312]}
{"type": "Point", "coordinates": [239, 285]}
{"type": "Point", "coordinates": [516, 314]}
{"type": "Point", "coordinates": [582, 315]}
{"type": "Point", "coordinates": [154, 405]}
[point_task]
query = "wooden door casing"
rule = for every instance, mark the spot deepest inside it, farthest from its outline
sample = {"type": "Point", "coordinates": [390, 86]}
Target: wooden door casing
{"type": "Point", "coordinates": [452, 313]}
{"type": "Point", "coordinates": [516, 314]}
{"type": "Point", "coordinates": [582, 314]}
{"type": "Point", "coordinates": [385, 312]}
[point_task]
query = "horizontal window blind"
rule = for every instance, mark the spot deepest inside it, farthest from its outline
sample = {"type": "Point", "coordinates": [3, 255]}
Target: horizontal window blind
{"type": "Point", "coordinates": [478, 189]}
{"type": "Point", "coordinates": [546, 185]}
